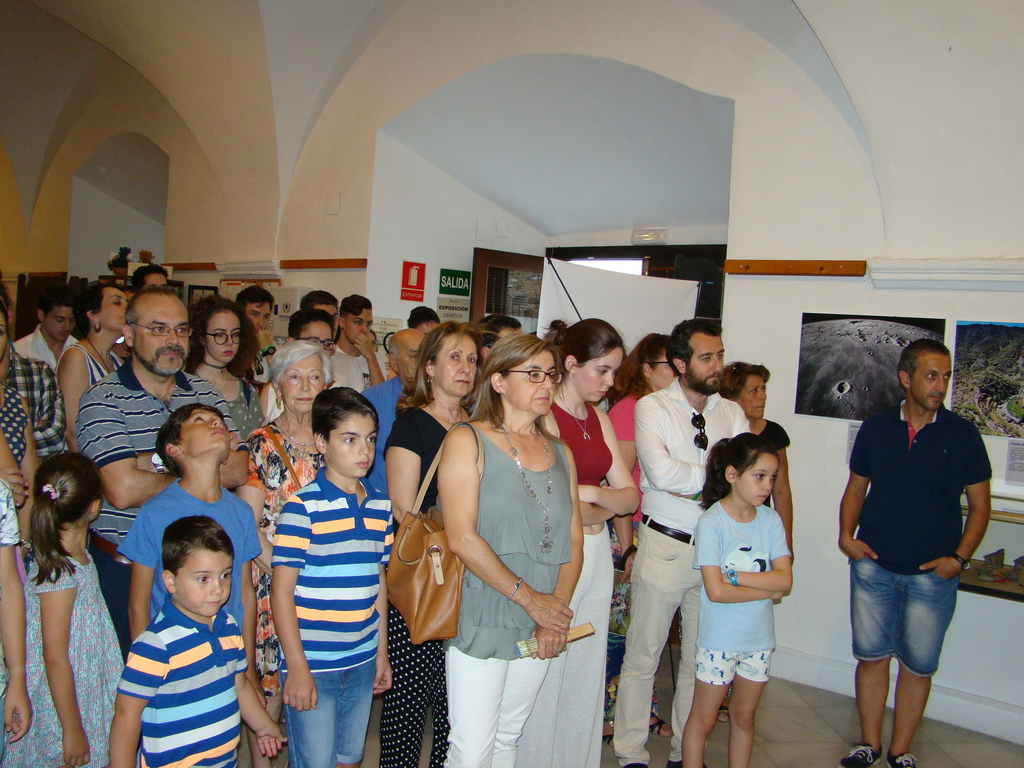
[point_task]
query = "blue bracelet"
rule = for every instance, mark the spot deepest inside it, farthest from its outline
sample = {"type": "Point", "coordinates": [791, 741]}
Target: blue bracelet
{"type": "Point", "coordinates": [731, 575]}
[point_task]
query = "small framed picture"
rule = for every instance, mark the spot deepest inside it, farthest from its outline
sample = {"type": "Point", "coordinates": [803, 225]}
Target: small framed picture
{"type": "Point", "coordinates": [197, 292]}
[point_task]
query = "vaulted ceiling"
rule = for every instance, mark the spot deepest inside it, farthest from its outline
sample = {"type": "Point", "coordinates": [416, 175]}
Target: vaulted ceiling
{"type": "Point", "coordinates": [568, 144]}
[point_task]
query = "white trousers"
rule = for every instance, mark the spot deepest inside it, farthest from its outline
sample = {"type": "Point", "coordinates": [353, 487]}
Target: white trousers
{"type": "Point", "coordinates": [564, 729]}
{"type": "Point", "coordinates": [488, 703]}
{"type": "Point", "coordinates": [663, 580]}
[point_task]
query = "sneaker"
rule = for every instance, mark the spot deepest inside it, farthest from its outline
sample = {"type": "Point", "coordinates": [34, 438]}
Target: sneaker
{"type": "Point", "coordinates": [861, 756]}
{"type": "Point", "coordinates": [906, 760]}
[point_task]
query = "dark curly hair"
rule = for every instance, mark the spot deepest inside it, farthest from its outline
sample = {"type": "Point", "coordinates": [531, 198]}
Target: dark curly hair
{"type": "Point", "coordinates": [199, 314]}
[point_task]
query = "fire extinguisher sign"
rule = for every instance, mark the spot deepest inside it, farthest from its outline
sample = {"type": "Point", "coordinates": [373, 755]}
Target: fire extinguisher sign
{"type": "Point", "coordinates": [414, 277]}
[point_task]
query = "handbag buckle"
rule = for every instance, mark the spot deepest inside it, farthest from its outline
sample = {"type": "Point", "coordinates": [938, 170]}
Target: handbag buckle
{"type": "Point", "coordinates": [434, 552]}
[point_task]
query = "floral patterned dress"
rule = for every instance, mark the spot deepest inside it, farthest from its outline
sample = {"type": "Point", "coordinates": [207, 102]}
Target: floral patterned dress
{"type": "Point", "coordinates": [268, 470]}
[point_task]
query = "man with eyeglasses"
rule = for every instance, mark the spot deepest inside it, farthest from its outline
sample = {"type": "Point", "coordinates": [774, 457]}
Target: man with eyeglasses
{"type": "Point", "coordinates": [675, 428]}
{"type": "Point", "coordinates": [118, 419]}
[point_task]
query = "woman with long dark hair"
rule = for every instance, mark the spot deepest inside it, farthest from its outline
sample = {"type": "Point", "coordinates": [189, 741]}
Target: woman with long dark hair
{"type": "Point", "coordinates": [566, 725]}
{"type": "Point", "coordinates": [223, 350]}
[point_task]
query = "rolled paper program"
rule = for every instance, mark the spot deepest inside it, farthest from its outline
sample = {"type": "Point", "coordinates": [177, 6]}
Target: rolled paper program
{"type": "Point", "coordinates": [529, 647]}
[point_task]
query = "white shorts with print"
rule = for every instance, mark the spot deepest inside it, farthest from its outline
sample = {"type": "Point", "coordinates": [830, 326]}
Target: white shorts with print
{"type": "Point", "coordinates": [719, 667]}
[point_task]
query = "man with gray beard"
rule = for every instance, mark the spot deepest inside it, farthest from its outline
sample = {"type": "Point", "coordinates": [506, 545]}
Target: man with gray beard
{"type": "Point", "coordinates": [675, 429]}
{"type": "Point", "coordinates": [118, 418]}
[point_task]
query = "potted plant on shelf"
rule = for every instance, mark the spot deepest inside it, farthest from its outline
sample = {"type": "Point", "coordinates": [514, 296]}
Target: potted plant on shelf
{"type": "Point", "coordinates": [118, 263]}
{"type": "Point", "coordinates": [146, 257]}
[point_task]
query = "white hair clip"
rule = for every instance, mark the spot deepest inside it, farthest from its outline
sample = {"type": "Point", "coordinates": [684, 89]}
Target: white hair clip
{"type": "Point", "coordinates": [50, 491]}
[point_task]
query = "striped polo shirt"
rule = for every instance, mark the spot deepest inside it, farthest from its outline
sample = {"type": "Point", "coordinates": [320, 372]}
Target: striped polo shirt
{"type": "Point", "coordinates": [186, 672]}
{"type": "Point", "coordinates": [338, 547]}
{"type": "Point", "coordinates": [118, 419]}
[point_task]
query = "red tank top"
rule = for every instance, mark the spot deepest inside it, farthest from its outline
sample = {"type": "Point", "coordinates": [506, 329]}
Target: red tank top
{"type": "Point", "coordinates": [592, 457]}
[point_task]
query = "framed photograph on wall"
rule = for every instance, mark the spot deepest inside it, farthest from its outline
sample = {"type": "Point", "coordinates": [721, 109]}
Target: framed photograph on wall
{"type": "Point", "coordinates": [196, 292]}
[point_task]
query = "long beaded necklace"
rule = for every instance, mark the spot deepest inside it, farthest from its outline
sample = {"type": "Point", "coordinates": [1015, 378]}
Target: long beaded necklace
{"type": "Point", "coordinates": [546, 543]}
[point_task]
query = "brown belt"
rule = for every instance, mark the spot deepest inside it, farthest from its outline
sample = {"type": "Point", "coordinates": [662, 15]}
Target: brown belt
{"type": "Point", "coordinates": [672, 533]}
{"type": "Point", "coordinates": [103, 545]}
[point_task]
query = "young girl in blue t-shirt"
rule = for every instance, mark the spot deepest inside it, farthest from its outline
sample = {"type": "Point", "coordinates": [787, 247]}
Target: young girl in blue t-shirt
{"type": "Point", "coordinates": [745, 564]}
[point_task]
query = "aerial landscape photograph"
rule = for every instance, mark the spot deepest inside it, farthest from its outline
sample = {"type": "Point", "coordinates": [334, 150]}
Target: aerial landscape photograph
{"type": "Point", "coordinates": [988, 378]}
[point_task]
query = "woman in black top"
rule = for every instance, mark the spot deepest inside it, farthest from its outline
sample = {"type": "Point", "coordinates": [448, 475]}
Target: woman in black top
{"type": "Point", "coordinates": [746, 385]}
{"type": "Point", "coordinates": [446, 371]}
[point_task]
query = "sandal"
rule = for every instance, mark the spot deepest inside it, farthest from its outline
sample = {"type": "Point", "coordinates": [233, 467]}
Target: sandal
{"type": "Point", "coordinates": [660, 728]}
{"type": "Point", "coordinates": [723, 714]}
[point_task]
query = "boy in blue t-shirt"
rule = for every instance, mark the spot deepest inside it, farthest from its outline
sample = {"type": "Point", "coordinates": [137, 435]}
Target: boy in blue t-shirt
{"type": "Point", "coordinates": [328, 593]}
{"type": "Point", "coordinates": [184, 686]}
{"type": "Point", "coordinates": [192, 445]}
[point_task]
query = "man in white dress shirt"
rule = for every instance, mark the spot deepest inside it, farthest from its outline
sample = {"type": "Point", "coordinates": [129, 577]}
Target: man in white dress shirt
{"type": "Point", "coordinates": [53, 334]}
{"type": "Point", "coordinates": [675, 428]}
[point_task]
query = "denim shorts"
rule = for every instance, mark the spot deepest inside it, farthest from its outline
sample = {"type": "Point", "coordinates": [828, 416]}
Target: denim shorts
{"type": "Point", "coordinates": [897, 615]}
{"type": "Point", "coordinates": [334, 732]}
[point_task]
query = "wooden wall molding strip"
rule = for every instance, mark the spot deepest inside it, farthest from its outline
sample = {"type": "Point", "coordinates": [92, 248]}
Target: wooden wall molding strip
{"type": "Point", "coordinates": [323, 264]}
{"type": "Point", "coordinates": [209, 266]}
{"type": "Point", "coordinates": [192, 266]}
{"type": "Point", "coordinates": [796, 267]}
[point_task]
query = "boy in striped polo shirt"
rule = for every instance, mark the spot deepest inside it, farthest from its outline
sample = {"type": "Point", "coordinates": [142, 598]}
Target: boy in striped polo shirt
{"type": "Point", "coordinates": [184, 684]}
{"type": "Point", "coordinates": [328, 592]}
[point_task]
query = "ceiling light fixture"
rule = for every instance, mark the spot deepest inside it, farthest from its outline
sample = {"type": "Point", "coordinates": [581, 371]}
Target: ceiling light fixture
{"type": "Point", "coordinates": [649, 236]}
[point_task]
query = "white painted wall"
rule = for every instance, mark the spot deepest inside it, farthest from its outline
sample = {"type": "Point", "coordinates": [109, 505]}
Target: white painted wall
{"type": "Point", "coordinates": [980, 683]}
{"type": "Point", "coordinates": [100, 225]}
{"type": "Point", "coordinates": [422, 214]}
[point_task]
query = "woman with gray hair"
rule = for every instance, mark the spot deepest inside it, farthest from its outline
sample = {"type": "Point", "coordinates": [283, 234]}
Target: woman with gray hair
{"type": "Point", "coordinates": [282, 460]}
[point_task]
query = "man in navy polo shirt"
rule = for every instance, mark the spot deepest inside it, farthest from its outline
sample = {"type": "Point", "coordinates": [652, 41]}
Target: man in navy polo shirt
{"type": "Point", "coordinates": [118, 419]}
{"type": "Point", "coordinates": [900, 524]}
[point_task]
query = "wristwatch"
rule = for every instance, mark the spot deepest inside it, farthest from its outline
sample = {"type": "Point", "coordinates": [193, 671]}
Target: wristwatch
{"type": "Point", "coordinates": [731, 576]}
{"type": "Point", "coordinates": [965, 564]}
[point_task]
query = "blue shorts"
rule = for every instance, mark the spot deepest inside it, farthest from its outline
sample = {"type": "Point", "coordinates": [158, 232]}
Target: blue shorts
{"type": "Point", "coordinates": [334, 732]}
{"type": "Point", "coordinates": [897, 615]}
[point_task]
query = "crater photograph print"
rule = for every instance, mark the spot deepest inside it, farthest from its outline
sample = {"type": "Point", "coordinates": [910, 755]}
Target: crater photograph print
{"type": "Point", "coordinates": [848, 363]}
{"type": "Point", "coordinates": [988, 377]}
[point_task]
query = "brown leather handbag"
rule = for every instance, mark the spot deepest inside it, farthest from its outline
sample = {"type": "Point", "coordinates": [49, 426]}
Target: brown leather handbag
{"type": "Point", "coordinates": [424, 576]}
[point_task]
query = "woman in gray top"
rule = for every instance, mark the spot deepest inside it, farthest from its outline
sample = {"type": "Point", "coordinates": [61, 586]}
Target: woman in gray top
{"type": "Point", "coordinates": [519, 532]}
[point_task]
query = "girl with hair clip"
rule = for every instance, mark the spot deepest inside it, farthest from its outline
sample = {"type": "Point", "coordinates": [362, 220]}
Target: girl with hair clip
{"type": "Point", "coordinates": [73, 661]}
{"type": "Point", "coordinates": [745, 565]}
{"type": "Point", "coordinates": [566, 725]}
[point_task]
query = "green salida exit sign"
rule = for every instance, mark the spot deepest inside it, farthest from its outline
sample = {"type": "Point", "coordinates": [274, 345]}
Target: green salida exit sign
{"type": "Point", "coordinates": [454, 282]}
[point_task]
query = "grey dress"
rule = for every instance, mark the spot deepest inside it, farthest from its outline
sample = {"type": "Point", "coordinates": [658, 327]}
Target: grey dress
{"type": "Point", "coordinates": [510, 521]}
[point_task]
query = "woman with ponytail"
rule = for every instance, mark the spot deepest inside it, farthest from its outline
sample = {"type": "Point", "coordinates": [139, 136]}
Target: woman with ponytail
{"type": "Point", "coordinates": [566, 724]}
{"type": "Point", "coordinates": [73, 661]}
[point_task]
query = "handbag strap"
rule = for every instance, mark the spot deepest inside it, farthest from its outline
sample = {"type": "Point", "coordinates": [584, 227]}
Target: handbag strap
{"type": "Point", "coordinates": [418, 504]}
{"type": "Point", "coordinates": [272, 434]}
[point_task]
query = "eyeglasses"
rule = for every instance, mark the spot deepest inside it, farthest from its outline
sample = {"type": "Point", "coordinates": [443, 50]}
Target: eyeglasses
{"type": "Point", "coordinates": [181, 331]}
{"type": "Point", "coordinates": [537, 376]}
{"type": "Point", "coordinates": [221, 337]}
{"type": "Point", "coordinates": [701, 438]}
{"type": "Point", "coordinates": [327, 344]}
{"type": "Point", "coordinates": [657, 362]}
